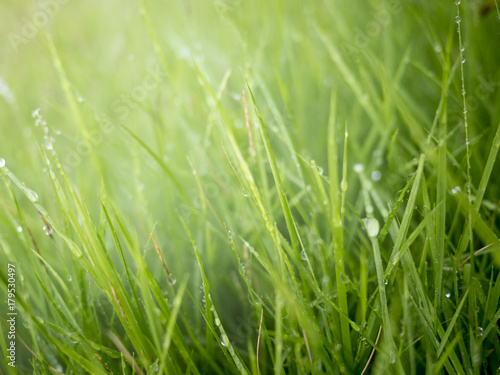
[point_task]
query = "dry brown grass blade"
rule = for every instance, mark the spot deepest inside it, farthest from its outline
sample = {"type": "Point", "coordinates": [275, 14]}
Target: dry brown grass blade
{"type": "Point", "coordinates": [258, 338]}
{"type": "Point", "coordinates": [157, 248]}
{"type": "Point", "coordinates": [477, 252]}
{"type": "Point", "coordinates": [125, 352]}
{"type": "Point", "coordinates": [373, 352]}
{"type": "Point", "coordinates": [249, 126]}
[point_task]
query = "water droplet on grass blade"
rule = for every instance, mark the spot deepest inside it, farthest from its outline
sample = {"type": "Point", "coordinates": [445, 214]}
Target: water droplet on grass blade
{"type": "Point", "coordinates": [154, 367]}
{"type": "Point", "coordinates": [358, 168]}
{"type": "Point", "coordinates": [303, 255]}
{"type": "Point", "coordinates": [32, 196]}
{"type": "Point", "coordinates": [372, 226]}
{"type": "Point", "coordinates": [2, 162]}
{"type": "Point", "coordinates": [225, 340]}
{"type": "Point", "coordinates": [343, 185]}
{"type": "Point", "coordinates": [376, 175]}
{"type": "Point", "coordinates": [47, 229]}
{"type": "Point", "coordinates": [49, 146]}
{"type": "Point", "coordinates": [171, 278]}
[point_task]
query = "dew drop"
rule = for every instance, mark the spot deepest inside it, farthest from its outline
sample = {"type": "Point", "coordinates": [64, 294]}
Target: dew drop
{"type": "Point", "coordinates": [448, 295]}
{"type": "Point", "coordinates": [153, 368]}
{"type": "Point", "coordinates": [437, 48]}
{"type": "Point", "coordinates": [172, 279]}
{"type": "Point", "coordinates": [343, 185]}
{"type": "Point", "coordinates": [49, 146]}
{"type": "Point", "coordinates": [2, 162]}
{"type": "Point", "coordinates": [376, 175]}
{"type": "Point", "coordinates": [463, 60]}
{"type": "Point", "coordinates": [319, 169]}
{"type": "Point", "coordinates": [479, 331]}
{"type": "Point", "coordinates": [457, 2]}
{"type": "Point", "coordinates": [58, 367]}
{"type": "Point", "coordinates": [457, 19]}
{"type": "Point", "coordinates": [47, 229]}
{"type": "Point", "coordinates": [32, 196]}
{"type": "Point", "coordinates": [69, 278]}
{"type": "Point", "coordinates": [224, 340]}
{"type": "Point", "coordinates": [303, 255]}
{"type": "Point", "coordinates": [19, 229]}
{"type": "Point", "coordinates": [358, 168]}
{"type": "Point", "coordinates": [462, 48]}
{"type": "Point", "coordinates": [372, 226]}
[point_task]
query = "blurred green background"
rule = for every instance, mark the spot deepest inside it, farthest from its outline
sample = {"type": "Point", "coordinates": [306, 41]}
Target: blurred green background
{"type": "Point", "coordinates": [91, 66]}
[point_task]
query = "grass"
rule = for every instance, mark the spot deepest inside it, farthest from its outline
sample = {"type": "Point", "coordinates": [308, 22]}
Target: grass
{"type": "Point", "coordinates": [251, 188]}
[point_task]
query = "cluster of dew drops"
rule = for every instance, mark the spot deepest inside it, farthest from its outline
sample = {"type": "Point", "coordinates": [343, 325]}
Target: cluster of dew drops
{"type": "Point", "coordinates": [49, 145]}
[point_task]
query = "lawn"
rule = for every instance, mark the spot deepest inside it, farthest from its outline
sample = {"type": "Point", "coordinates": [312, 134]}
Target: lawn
{"type": "Point", "coordinates": [249, 187]}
